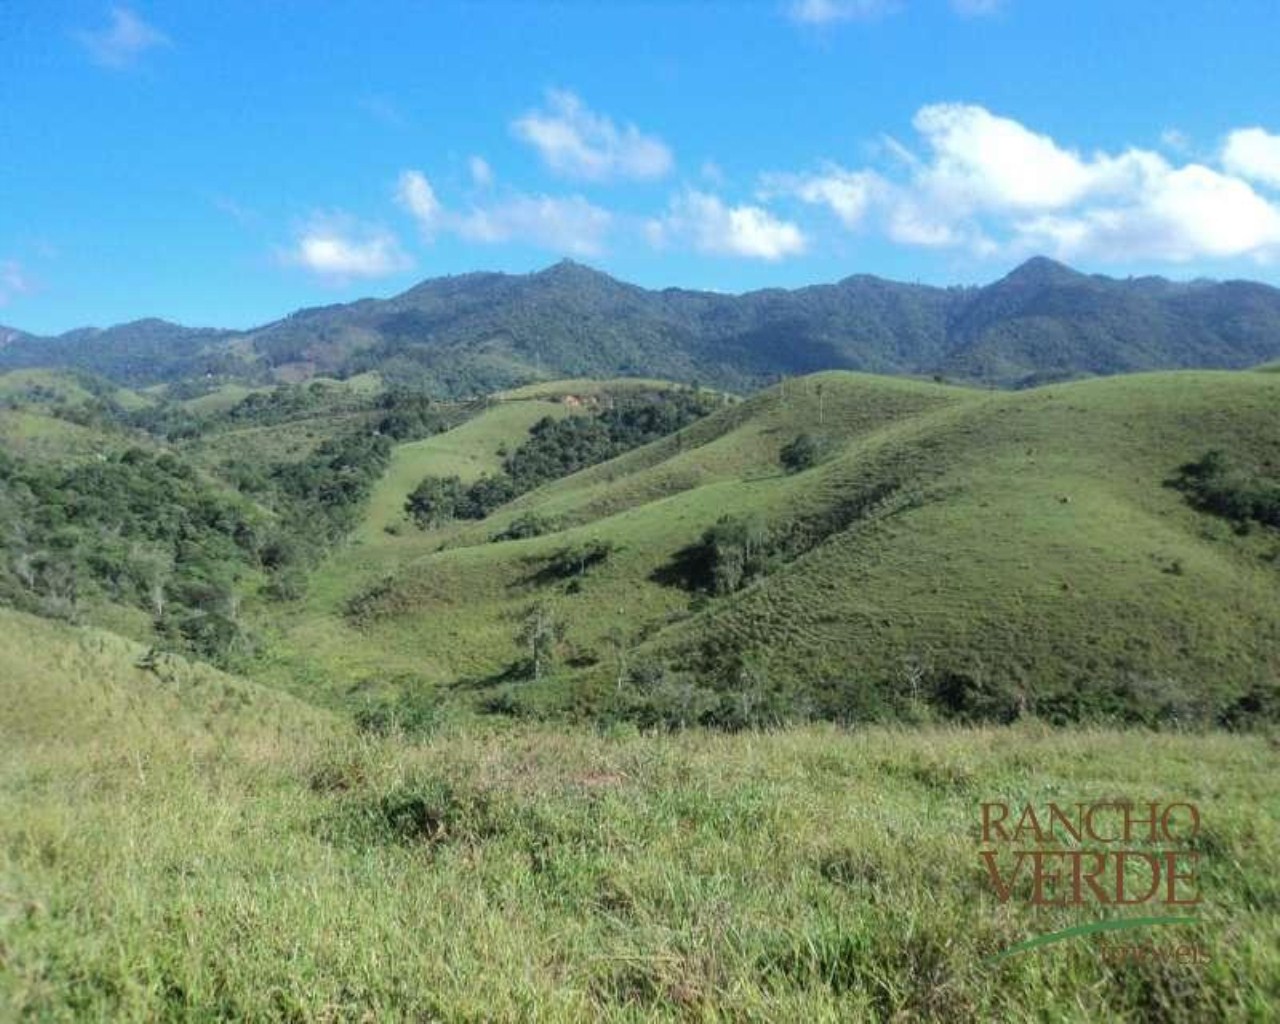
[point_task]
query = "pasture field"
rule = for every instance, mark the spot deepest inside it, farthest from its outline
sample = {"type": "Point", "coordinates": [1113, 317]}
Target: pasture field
{"type": "Point", "coordinates": [177, 844]}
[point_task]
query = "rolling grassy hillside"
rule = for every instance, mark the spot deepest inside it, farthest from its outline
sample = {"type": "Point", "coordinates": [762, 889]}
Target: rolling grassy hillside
{"type": "Point", "coordinates": [1014, 543]}
{"type": "Point", "coordinates": [178, 844]}
{"type": "Point", "coordinates": [93, 692]}
{"type": "Point", "coordinates": [36, 434]}
{"type": "Point", "coordinates": [280, 442]}
{"type": "Point", "coordinates": [468, 452]}
{"type": "Point", "coordinates": [70, 389]}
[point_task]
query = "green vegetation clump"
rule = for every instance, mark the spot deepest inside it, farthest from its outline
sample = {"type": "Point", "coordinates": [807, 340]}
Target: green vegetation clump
{"type": "Point", "coordinates": [435, 501]}
{"type": "Point", "coordinates": [559, 447]}
{"type": "Point", "coordinates": [555, 448]}
{"type": "Point", "coordinates": [530, 524]}
{"type": "Point", "coordinates": [293, 401]}
{"type": "Point", "coordinates": [540, 635]}
{"type": "Point", "coordinates": [730, 555]}
{"type": "Point", "coordinates": [1218, 484]}
{"type": "Point", "coordinates": [800, 454]}
{"type": "Point", "coordinates": [328, 488]}
{"type": "Point", "coordinates": [404, 708]}
{"type": "Point", "coordinates": [138, 528]}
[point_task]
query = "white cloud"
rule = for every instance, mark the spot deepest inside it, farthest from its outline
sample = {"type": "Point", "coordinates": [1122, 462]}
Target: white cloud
{"type": "Point", "coordinates": [338, 247]}
{"type": "Point", "coordinates": [563, 224]}
{"type": "Point", "coordinates": [848, 194]}
{"type": "Point", "coordinates": [481, 172]}
{"type": "Point", "coordinates": [991, 185]}
{"type": "Point", "coordinates": [122, 42]}
{"type": "Point", "coordinates": [416, 195]}
{"type": "Point", "coordinates": [577, 143]}
{"type": "Point", "coordinates": [1179, 215]}
{"type": "Point", "coordinates": [1253, 153]}
{"type": "Point", "coordinates": [982, 161]}
{"type": "Point", "coordinates": [826, 12]}
{"type": "Point", "coordinates": [711, 226]}
{"type": "Point", "coordinates": [13, 281]}
{"type": "Point", "coordinates": [910, 222]}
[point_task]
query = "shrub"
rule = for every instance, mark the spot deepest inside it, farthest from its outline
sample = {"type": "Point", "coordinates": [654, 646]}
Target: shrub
{"type": "Point", "coordinates": [541, 632]}
{"type": "Point", "coordinates": [1217, 484]}
{"type": "Point", "coordinates": [413, 711]}
{"type": "Point", "coordinates": [483, 496]}
{"type": "Point", "coordinates": [800, 454]}
{"type": "Point", "coordinates": [434, 501]}
{"type": "Point", "coordinates": [530, 524]}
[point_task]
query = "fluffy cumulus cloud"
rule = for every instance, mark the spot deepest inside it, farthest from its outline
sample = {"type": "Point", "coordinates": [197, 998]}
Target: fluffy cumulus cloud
{"type": "Point", "coordinates": [577, 143]}
{"type": "Point", "coordinates": [711, 226]}
{"type": "Point", "coordinates": [848, 194]}
{"type": "Point", "coordinates": [13, 281]}
{"type": "Point", "coordinates": [123, 41]}
{"type": "Point", "coordinates": [1180, 214]}
{"type": "Point", "coordinates": [993, 185]}
{"type": "Point", "coordinates": [339, 248]}
{"type": "Point", "coordinates": [1253, 153]}
{"type": "Point", "coordinates": [564, 224]}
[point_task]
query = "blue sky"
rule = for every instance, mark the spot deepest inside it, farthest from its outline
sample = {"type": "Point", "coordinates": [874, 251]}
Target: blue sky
{"type": "Point", "coordinates": [223, 164]}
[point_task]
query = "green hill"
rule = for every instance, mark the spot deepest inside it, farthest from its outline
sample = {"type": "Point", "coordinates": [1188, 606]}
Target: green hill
{"type": "Point", "coordinates": [476, 333]}
{"type": "Point", "coordinates": [36, 435]}
{"type": "Point", "coordinates": [68, 389]}
{"type": "Point", "coordinates": [1004, 550]}
{"type": "Point", "coordinates": [179, 844]}
{"type": "Point", "coordinates": [65, 688]}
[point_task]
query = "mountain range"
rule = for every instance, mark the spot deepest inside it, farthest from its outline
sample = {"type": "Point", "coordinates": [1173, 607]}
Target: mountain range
{"type": "Point", "coordinates": [474, 332]}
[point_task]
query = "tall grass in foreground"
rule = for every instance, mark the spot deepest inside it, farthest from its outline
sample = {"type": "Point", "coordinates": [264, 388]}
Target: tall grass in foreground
{"type": "Point", "coordinates": [806, 875]}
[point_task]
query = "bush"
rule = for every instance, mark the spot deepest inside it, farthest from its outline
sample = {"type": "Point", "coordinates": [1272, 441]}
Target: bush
{"type": "Point", "coordinates": [530, 524]}
{"type": "Point", "coordinates": [1217, 484]}
{"type": "Point", "coordinates": [729, 555]}
{"type": "Point", "coordinates": [411, 713]}
{"type": "Point", "coordinates": [485, 495]}
{"type": "Point", "coordinates": [800, 454]}
{"type": "Point", "coordinates": [434, 501]}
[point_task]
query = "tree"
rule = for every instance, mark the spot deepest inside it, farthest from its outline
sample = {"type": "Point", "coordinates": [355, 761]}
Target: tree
{"type": "Point", "coordinates": [434, 501]}
{"type": "Point", "coordinates": [483, 496]}
{"type": "Point", "coordinates": [734, 549]}
{"type": "Point", "coordinates": [540, 634]}
{"type": "Point", "coordinates": [621, 646]}
{"type": "Point", "coordinates": [799, 454]}
{"type": "Point", "coordinates": [577, 560]}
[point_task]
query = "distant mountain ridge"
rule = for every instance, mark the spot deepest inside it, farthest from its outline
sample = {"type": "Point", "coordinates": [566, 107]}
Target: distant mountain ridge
{"type": "Point", "coordinates": [477, 331]}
